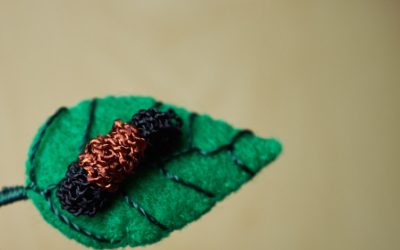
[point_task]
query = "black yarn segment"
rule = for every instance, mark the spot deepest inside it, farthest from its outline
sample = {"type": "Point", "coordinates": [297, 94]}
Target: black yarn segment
{"type": "Point", "coordinates": [78, 196]}
{"type": "Point", "coordinates": [161, 129]}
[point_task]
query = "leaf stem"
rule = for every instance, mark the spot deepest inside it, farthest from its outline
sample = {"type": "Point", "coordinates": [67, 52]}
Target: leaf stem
{"type": "Point", "coordinates": [12, 194]}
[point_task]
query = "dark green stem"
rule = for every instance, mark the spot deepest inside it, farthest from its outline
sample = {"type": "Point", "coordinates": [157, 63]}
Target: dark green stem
{"type": "Point", "coordinates": [11, 194]}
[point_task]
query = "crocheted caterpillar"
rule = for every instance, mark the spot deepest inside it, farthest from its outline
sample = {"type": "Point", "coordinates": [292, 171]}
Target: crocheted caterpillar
{"type": "Point", "coordinates": [149, 175]}
{"type": "Point", "coordinates": [109, 159]}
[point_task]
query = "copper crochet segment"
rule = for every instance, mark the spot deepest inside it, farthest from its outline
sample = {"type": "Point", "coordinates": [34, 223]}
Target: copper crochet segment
{"type": "Point", "coordinates": [109, 159]}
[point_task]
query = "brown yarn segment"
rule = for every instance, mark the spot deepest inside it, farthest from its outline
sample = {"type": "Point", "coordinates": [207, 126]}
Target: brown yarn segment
{"type": "Point", "coordinates": [109, 159]}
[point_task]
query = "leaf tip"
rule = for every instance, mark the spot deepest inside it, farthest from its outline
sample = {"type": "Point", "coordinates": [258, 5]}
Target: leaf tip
{"type": "Point", "coordinates": [275, 147]}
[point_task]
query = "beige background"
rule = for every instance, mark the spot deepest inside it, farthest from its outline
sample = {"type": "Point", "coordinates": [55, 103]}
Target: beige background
{"type": "Point", "coordinates": [321, 75]}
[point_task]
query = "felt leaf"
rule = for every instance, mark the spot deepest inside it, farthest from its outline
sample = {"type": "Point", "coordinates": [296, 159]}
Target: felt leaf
{"type": "Point", "coordinates": [213, 160]}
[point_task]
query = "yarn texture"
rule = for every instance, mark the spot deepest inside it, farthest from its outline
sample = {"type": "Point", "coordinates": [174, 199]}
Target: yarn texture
{"type": "Point", "coordinates": [79, 196]}
{"type": "Point", "coordinates": [161, 129]}
{"type": "Point", "coordinates": [110, 158]}
{"type": "Point", "coordinates": [213, 160]}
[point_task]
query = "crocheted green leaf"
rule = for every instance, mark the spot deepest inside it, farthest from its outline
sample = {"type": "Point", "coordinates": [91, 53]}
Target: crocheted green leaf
{"type": "Point", "coordinates": [213, 160]}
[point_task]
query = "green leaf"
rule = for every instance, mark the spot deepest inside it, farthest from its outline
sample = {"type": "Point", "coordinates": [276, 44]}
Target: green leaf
{"type": "Point", "coordinates": [213, 161]}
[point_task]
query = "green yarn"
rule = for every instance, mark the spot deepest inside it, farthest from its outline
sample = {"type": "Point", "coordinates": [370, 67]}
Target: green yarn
{"type": "Point", "coordinates": [11, 194]}
{"type": "Point", "coordinates": [172, 204]}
